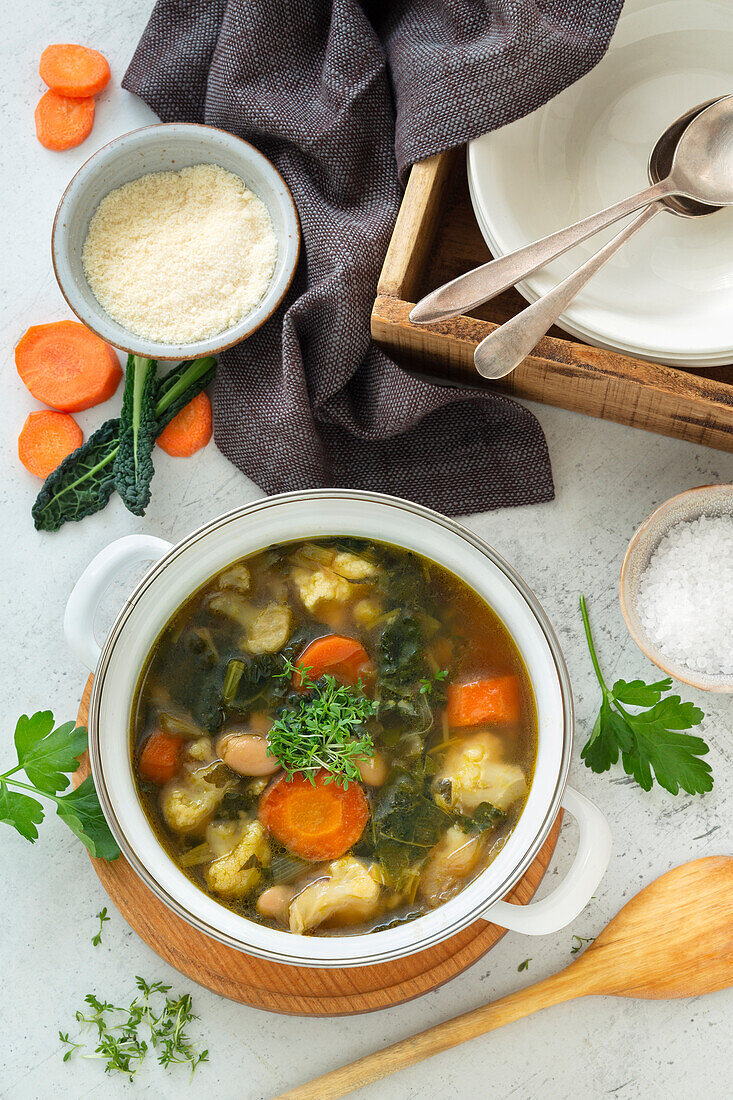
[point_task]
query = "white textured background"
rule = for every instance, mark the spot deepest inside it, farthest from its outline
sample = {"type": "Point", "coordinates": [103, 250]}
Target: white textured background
{"type": "Point", "coordinates": [608, 479]}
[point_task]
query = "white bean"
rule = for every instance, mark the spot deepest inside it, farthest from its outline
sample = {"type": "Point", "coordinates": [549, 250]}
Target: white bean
{"type": "Point", "coordinates": [373, 769]}
{"type": "Point", "coordinates": [246, 753]}
{"type": "Point", "coordinates": [275, 903]}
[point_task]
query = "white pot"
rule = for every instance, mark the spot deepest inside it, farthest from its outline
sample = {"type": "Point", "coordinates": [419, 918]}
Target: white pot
{"type": "Point", "coordinates": [181, 569]}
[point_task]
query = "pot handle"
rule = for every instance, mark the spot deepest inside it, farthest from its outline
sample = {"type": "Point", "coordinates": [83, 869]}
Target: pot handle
{"type": "Point", "coordinates": [576, 889]}
{"type": "Point", "coordinates": [93, 583]}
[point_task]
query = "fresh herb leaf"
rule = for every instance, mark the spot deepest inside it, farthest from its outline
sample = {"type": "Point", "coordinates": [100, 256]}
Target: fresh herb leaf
{"type": "Point", "coordinates": [20, 811]}
{"type": "Point", "coordinates": [84, 482]}
{"type": "Point", "coordinates": [124, 1036]}
{"type": "Point", "coordinates": [649, 741]}
{"type": "Point", "coordinates": [48, 756]}
{"type": "Point", "coordinates": [324, 730]}
{"type": "Point", "coordinates": [578, 942]}
{"type": "Point", "coordinates": [524, 965]}
{"type": "Point", "coordinates": [102, 918]}
{"type": "Point", "coordinates": [133, 468]}
{"type": "Point", "coordinates": [81, 811]}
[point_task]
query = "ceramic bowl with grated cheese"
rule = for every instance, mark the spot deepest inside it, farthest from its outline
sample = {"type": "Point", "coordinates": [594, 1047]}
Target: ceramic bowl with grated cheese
{"type": "Point", "coordinates": [175, 241]}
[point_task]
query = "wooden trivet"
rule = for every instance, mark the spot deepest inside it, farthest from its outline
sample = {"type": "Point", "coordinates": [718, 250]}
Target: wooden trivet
{"type": "Point", "coordinates": [297, 990]}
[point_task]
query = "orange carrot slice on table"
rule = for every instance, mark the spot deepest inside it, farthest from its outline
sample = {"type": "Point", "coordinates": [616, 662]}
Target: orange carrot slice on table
{"type": "Point", "coordinates": [63, 122]}
{"type": "Point", "coordinates": [74, 71]}
{"type": "Point", "coordinates": [66, 366]}
{"type": "Point", "coordinates": [159, 757]}
{"type": "Point", "coordinates": [190, 430]}
{"type": "Point", "coordinates": [495, 700]}
{"type": "Point", "coordinates": [344, 658]}
{"type": "Point", "coordinates": [314, 822]}
{"type": "Point", "coordinates": [46, 439]}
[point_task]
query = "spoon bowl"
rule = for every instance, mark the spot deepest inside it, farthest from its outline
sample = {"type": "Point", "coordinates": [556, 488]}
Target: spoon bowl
{"type": "Point", "coordinates": [702, 167]}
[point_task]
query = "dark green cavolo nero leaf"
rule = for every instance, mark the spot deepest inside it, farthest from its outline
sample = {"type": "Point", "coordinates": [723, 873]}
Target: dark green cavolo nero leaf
{"type": "Point", "coordinates": [133, 467]}
{"type": "Point", "coordinates": [85, 480]}
{"type": "Point", "coordinates": [82, 484]}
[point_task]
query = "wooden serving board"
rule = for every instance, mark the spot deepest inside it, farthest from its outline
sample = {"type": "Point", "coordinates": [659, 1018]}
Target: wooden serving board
{"type": "Point", "coordinates": [296, 990]}
{"type": "Point", "coordinates": [436, 238]}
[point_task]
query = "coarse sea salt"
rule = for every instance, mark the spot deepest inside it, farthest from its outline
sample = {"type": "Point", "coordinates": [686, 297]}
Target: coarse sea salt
{"type": "Point", "coordinates": [685, 599]}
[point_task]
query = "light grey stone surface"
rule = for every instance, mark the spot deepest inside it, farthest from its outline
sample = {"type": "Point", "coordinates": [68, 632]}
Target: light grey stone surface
{"type": "Point", "coordinates": [608, 479]}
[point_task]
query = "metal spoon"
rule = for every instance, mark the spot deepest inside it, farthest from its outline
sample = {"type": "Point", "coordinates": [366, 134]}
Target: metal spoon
{"type": "Point", "coordinates": [701, 170]}
{"type": "Point", "coordinates": [507, 346]}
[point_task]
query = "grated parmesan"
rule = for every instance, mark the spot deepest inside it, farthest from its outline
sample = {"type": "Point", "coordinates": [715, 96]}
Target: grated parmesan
{"type": "Point", "coordinates": [180, 256]}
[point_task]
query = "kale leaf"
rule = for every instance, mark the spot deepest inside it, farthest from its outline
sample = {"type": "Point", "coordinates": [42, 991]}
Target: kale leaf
{"type": "Point", "coordinates": [133, 467]}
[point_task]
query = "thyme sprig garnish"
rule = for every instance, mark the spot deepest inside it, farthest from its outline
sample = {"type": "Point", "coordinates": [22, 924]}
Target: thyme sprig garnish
{"type": "Point", "coordinates": [324, 730]}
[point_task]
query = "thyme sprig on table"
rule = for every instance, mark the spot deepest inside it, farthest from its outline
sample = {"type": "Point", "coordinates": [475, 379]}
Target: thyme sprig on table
{"type": "Point", "coordinates": [649, 740]}
{"type": "Point", "coordinates": [125, 1035]}
{"type": "Point", "coordinates": [324, 730]}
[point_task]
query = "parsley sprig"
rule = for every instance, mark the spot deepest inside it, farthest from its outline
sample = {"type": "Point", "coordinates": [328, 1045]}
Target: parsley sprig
{"type": "Point", "coordinates": [124, 1035]}
{"type": "Point", "coordinates": [649, 740]}
{"type": "Point", "coordinates": [48, 757]}
{"type": "Point", "coordinates": [325, 730]}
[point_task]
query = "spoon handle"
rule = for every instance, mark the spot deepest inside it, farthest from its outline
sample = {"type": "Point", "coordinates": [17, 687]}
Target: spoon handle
{"type": "Point", "coordinates": [339, 1082]}
{"type": "Point", "coordinates": [507, 346]}
{"type": "Point", "coordinates": [485, 282]}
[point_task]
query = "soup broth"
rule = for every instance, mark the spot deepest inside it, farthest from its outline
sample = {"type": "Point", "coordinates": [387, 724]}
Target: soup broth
{"type": "Point", "coordinates": [334, 736]}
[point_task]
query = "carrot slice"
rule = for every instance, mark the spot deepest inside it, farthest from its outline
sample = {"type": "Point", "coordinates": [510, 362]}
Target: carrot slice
{"type": "Point", "coordinates": [190, 430]}
{"type": "Point", "coordinates": [63, 122]}
{"type": "Point", "coordinates": [74, 71]}
{"type": "Point", "coordinates": [314, 822]}
{"type": "Point", "coordinates": [344, 658]}
{"type": "Point", "coordinates": [159, 757]}
{"type": "Point", "coordinates": [66, 366]}
{"type": "Point", "coordinates": [495, 700]}
{"type": "Point", "coordinates": [46, 439]}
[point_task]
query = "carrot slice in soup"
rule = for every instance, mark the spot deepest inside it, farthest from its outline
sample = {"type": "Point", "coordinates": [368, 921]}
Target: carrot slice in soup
{"type": "Point", "coordinates": [74, 71]}
{"type": "Point", "coordinates": [344, 658]}
{"type": "Point", "coordinates": [159, 757]}
{"type": "Point", "coordinates": [46, 439]}
{"type": "Point", "coordinates": [67, 366]}
{"type": "Point", "coordinates": [494, 700]}
{"type": "Point", "coordinates": [63, 122]}
{"type": "Point", "coordinates": [314, 822]}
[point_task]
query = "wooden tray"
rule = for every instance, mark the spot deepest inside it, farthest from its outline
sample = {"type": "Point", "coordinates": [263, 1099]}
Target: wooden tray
{"type": "Point", "coordinates": [299, 991]}
{"type": "Point", "coordinates": [437, 238]}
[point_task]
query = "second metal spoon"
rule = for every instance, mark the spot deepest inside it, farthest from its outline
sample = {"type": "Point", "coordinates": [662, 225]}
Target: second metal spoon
{"type": "Point", "coordinates": [505, 348]}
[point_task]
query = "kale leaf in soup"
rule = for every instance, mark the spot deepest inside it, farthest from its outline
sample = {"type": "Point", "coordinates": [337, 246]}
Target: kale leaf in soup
{"type": "Point", "coordinates": [334, 736]}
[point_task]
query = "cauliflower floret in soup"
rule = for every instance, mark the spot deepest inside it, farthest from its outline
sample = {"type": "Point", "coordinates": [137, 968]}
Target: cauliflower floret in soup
{"type": "Point", "coordinates": [353, 567]}
{"type": "Point", "coordinates": [236, 873]}
{"type": "Point", "coordinates": [270, 630]}
{"type": "Point", "coordinates": [349, 895]}
{"type": "Point", "coordinates": [474, 772]}
{"type": "Point", "coordinates": [188, 804]}
{"type": "Point", "coordinates": [320, 586]}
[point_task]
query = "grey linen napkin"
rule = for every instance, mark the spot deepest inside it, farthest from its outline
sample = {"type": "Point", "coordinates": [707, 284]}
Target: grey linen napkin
{"type": "Point", "coordinates": [343, 97]}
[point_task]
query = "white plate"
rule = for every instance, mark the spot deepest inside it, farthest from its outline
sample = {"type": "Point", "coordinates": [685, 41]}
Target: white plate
{"type": "Point", "coordinates": [668, 295]}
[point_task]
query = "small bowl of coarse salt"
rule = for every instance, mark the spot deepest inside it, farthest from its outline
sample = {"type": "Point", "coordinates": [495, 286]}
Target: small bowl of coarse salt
{"type": "Point", "coordinates": [175, 241]}
{"type": "Point", "coordinates": [676, 587]}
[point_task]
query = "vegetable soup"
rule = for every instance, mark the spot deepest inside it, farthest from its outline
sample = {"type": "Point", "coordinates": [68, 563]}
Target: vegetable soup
{"type": "Point", "coordinates": [334, 736]}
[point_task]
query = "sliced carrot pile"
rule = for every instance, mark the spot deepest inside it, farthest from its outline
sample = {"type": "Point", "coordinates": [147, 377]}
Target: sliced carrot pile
{"type": "Point", "coordinates": [190, 430]}
{"type": "Point", "coordinates": [344, 658]}
{"type": "Point", "coordinates": [314, 822]}
{"type": "Point", "coordinates": [46, 439]}
{"type": "Point", "coordinates": [159, 757]}
{"type": "Point", "coordinates": [63, 122]}
{"type": "Point", "coordinates": [495, 700]}
{"type": "Point", "coordinates": [74, 71]}
{"type": "Point", "coordinates": [66, 366]}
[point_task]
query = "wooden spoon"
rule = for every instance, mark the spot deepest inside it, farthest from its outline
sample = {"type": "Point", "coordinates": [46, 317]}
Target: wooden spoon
{"type": "Point", "coordinates": [674, 939]}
